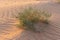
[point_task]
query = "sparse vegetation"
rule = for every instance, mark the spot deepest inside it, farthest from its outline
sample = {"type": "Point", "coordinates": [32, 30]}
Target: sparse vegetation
{"type": "Point", "coordinates": [30, 16]}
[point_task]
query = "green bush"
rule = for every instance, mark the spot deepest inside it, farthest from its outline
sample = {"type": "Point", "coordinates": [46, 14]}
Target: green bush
{"type": "Point", "coordinates": [30, 16]}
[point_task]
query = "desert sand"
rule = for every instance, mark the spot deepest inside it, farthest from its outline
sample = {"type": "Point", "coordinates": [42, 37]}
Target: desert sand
{"type": "Point", "coordinates": [9, 31]}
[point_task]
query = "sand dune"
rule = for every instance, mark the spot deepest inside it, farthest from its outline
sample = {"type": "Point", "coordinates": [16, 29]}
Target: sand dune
{"type": "Point", "coordinates": [9, 31]}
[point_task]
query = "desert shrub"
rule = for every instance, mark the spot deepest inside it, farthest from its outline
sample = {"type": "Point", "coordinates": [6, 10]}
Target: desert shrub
{"type": "Point", "coordinates": [30, 16]}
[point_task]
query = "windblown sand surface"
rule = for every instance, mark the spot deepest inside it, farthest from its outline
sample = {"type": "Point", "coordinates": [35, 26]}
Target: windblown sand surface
{"type": "Point", "coordinates": [9, 31]}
